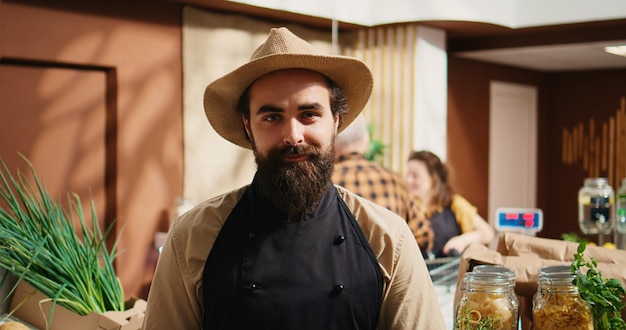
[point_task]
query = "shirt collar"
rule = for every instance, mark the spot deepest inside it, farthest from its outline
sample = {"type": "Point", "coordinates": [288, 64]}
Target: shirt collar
{"type": "Point", "coordinates": [350, 156]}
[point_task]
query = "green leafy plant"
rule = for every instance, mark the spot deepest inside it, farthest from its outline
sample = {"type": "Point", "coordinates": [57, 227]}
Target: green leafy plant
{"type": "Point", "coordinates": [376, 148]}
{"type": "Point", "coordinates": [465, 321]}
{"type": "Point", "coordinates": [40, 245]}
{"type": "Point", "coordinates": [573, 237]}
{"type": "Point", "coordinates": [605, 296]}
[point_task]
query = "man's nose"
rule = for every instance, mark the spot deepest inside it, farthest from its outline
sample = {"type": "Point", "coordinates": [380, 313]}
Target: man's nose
{"type": "Point", "coordinates": [293, 132]}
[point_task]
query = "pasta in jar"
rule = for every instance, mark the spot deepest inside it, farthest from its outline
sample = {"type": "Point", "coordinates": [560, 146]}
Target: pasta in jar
{"type": "Point", "coordinates": [486, 303]}
{"type": "Point", "coordinates": [561, 306]}
{"type": "Point", "coordinates": [508, 272]}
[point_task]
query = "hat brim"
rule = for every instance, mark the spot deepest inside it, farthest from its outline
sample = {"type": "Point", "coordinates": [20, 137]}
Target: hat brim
{"type": "Point", "coordinates": [222, 95]}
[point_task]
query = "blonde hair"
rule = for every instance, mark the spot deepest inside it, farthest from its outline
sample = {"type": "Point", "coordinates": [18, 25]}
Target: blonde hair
{"type": "Point", "coordinates": [355, 137]}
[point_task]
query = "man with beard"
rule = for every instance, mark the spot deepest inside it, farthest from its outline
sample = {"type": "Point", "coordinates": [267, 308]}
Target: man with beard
{"type": "Point", "coordinates": [290, 250]}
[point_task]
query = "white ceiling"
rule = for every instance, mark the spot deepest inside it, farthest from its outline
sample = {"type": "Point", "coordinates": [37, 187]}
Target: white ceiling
{"type": "Point", "coordinates": [468, 19]}
{"type": "Point", "coordinates": [565, 57]}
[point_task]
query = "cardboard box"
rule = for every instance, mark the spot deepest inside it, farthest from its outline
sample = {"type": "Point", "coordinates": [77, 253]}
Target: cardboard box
{"type": "Point", "coordinates": [34, 308]}
{"type": "Point", "coordinates": [525, 254]}
{"type": "Point", "coordinates": [5, 289]}
{"type": "Point", "coordinates": [6, 318]}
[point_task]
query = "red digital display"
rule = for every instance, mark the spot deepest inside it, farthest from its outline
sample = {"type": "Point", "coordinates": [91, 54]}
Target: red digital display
{"type": "Point", "coordinates": [518, 218]}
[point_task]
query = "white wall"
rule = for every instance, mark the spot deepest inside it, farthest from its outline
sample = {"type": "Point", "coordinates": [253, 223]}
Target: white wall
{"type": "Point", "coordinates": [431, 92]}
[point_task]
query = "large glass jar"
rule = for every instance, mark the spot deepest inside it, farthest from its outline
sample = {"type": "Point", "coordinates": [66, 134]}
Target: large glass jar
{"type": "Point", "coordinates": [560, 305]}
{"type": "Point", "coordinates": [485, 303]}
{"type": "Point", "coordinates": [544, 274]}
{"type": "Point", "coordinates": [595, 206]}
{"type": "Point", "coordinates": [508, 272]}
{"type": "Point", "coordinates": [620, 221]}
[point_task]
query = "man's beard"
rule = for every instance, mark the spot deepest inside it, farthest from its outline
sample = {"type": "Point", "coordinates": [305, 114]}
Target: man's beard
{"type": "Point", "coordinates": [299, 186]}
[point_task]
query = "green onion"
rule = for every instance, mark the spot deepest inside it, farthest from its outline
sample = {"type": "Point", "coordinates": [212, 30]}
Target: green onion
{"type": "Point", "coordinates": [40, 245]}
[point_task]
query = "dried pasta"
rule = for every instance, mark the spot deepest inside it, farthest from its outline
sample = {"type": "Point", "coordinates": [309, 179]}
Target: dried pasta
{"type": "Point", "coordinates": [480, 310]}
{"type": "Point", "coordinates": [563, 312]}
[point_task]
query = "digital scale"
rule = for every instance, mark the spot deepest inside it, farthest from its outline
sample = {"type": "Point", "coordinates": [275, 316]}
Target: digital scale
{"type": "Point", "coordinates": [522, 220]}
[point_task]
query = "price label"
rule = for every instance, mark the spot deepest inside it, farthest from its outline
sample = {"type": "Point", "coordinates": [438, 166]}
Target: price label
{"type": "Point", "coordinates": [519, 219]}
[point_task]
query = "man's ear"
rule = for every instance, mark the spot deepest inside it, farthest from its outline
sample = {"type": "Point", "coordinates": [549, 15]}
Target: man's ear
{"type": "Point", "coordinates": [338, 120]}
{"type": "Point", "coordinates": [246, 126]}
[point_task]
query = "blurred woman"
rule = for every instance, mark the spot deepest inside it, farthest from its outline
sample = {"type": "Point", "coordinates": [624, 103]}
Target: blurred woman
{"type": "Point", "coordinates": [455, 221]}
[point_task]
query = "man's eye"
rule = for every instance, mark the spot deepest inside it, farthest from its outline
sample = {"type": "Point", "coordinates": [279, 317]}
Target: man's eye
{"type": "Point", "coordinates": [271, 118]}
{"type": "Point", "coordinates": [309, 114]}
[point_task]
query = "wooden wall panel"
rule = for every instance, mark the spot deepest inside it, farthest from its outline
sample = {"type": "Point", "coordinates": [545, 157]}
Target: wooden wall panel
{"type": "Point", "coordinates": [468, 125]}
{"type": "Point", "coordinates": [586, 105]}
{"type": "Point", "coordinates": [56, 118]}
{"type": "Point", "coordinates": [138, 45]}
{"type": "Point", "coordinates": [573, 108]}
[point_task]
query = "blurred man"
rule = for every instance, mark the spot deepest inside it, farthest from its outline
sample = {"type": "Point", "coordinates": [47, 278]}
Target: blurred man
{"type": "Point", "coordinates": [372, 181]}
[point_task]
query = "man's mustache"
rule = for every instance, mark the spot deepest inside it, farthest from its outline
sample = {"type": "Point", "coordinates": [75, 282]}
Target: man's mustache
{"type": "Point", "coordinates": [295, 150]}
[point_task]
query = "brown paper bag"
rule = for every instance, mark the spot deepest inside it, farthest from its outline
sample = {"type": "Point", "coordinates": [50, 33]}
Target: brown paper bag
{"type": "Point", "coordinates": [525, 254]}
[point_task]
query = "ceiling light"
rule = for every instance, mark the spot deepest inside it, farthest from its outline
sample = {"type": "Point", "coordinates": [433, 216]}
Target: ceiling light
{"type": "Point", "coordinates": [616, 50]}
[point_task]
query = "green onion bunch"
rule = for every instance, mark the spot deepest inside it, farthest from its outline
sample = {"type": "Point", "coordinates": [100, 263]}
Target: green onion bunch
{"type": "Point", "coordinates": [40, 245]}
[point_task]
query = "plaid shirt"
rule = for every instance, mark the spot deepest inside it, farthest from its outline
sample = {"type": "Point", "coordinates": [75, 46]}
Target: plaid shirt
{"type": "Point", "coordinates": [372, 181]}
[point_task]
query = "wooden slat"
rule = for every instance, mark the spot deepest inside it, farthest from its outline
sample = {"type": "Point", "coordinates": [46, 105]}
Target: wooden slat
{"type": "Point", "coordinates": [585, 153]}
{"type": "Point", "coordinates": [597, 156]}
{"type": "Point", "coordinates": [564, 146]}
{"type": "Point", "coordinates": [569, 149]}
{"type": "Point", "coordinates": [618, 144]}
{"type": "Point", "coordinates": [605, 136]}
{"type": "Point", "coordinates": [620, 169]}
{"type": "Point", "coordinates": [574, 146]}
{"type": "Point", "coordinates": [581, 137]}
{"type": "Point", "coordinates": [611, 148]}
{"type": "Point", "coordinates": [601, 152]}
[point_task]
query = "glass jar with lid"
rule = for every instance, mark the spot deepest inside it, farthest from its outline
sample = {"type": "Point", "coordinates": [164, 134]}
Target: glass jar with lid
{"type": "Point", "coordinates": [508, 272]}
{"type": "Point", "coordinates": [558, 304]}
{"type": "Point", "coordinates": [546, 272]}
{"type": "Point", "coordinates": [620, 220]}
{"type": "Point", "coordinates": [486, 303]}
{"type": "Point", "coordinates": [595, 206]}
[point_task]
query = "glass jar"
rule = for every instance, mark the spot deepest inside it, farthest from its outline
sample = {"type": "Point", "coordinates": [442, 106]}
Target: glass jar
{"type": "Point", "coordinates": [508, 272]}
{"type": "Point", "coordinates": [546, 272]}
{"type": "Point", "coordinates": [595, 206]}
{"type": "Point", "coordinates": [560, 305]}
{"type": "Point", "coordinates": [620, 220]}
{"type": "Point", "coordinates": [485, 303]}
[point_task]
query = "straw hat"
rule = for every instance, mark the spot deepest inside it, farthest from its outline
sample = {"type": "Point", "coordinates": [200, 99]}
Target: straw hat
{"type": "Point", "coordinates": [282, 50]}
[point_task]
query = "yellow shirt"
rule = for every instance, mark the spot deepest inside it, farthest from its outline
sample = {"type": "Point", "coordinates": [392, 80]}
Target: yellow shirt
{"type": "Point", "coordinates": [464, 212]}
{"type": "Point", "coordinates": [176, 299]}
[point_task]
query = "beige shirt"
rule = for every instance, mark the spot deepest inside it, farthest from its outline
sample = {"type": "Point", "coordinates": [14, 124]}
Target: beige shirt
{"type": "Point", "coordinates": [176, 298]}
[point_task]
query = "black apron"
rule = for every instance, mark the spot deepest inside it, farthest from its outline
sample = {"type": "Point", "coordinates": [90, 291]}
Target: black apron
{"type": "Point", "coordinates": [444, 226]}
{"type": "Point", "coordinates": [266, 273]}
